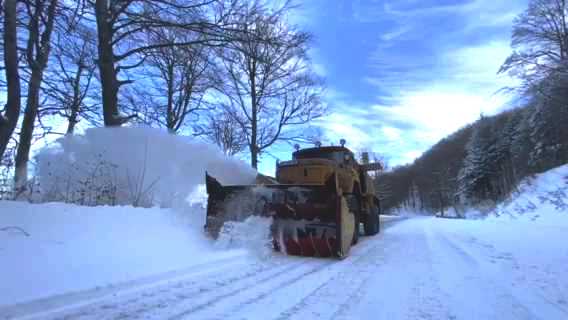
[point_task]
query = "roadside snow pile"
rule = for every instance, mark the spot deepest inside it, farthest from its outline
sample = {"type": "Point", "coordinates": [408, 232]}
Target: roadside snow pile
{"type": "Point", "coordinates": [253, 234]}
{"type": "Point", "coordinates": [53, 248]}
{"type": "Point", "coordinates": [543, 198]}
{"type": "Point", "coordinates": [137, 166]}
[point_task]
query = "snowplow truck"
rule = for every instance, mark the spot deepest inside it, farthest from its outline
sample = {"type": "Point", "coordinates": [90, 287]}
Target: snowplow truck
{"type": "Point", "coordinates": [317, 202]}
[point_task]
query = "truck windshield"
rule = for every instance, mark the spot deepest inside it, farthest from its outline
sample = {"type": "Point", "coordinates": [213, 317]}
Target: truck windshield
{"type": "Point", "coordinates": [335, 156]}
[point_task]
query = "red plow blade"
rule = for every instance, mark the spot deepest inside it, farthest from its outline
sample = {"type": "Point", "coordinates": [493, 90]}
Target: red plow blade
{"type": "Point", "coordinates": [309, 220]}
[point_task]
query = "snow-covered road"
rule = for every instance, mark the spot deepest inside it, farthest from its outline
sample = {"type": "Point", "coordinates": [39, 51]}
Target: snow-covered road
{"type": "Point", "coordinates": [417, 268]}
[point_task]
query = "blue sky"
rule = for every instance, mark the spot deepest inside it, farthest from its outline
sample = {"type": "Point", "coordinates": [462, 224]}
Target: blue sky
{"type": "Point", "coordinates": [402, 74]}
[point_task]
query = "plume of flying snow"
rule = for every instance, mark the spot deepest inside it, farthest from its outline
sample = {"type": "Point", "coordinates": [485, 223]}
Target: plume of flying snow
{"type": "Point", "coordinates": [253, 234]}
{"type": "Point", "coordinates": [135, 165]}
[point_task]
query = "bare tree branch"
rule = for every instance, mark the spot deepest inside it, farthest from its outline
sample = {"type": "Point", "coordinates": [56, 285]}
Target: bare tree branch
{"type": "Point", "coordinates": [269, 86]}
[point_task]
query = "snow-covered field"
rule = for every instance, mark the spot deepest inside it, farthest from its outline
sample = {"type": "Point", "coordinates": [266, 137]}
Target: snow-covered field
{"type": "Point", "coordinates": [125, 263]}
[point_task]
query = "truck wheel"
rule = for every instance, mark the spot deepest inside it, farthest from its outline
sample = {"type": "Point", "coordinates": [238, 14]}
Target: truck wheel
{"type": "Point", "coordinates": [356, 233]}
{"type": "Point", "coordinates": [355, 208]}
{"type": "Point", "coordinates": [372, 223]}
{"type": "Point", "coordinates": [378, 221]}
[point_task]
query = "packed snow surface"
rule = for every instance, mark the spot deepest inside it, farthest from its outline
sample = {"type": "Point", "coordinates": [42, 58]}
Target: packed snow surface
{"type": "Point", "coordinates": [510, 266]}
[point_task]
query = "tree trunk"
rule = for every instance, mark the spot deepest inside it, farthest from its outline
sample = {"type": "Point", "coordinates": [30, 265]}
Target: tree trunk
{"type": "Point", "coordinates": [253, 148]}
{"type": "Point", "coordinates": [9, 121]}
{"type": "Point", "coordinates": [254, 120]}
{"type": "Point", "coordinates": [442, 205]}
{"type": "Point", "coordinates": [76, 103]}
{"type": "Point", "coordinates": [72, 122]}
{"type": "Point", "coordinates": [109, 81]}
{"type": "Point", "coordinates": [26, 135]}
{"type": "Point", "coordinates": [37, 64]}
{"type": "Point", "coordinates": [170, 121]}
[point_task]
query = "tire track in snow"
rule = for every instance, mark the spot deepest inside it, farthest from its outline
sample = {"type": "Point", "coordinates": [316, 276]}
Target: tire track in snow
{"type": "Point", "coordinates": [427, 299]}
{"type": "Point", "coordinates": [205, 296]}
{"type": "Point", "coordinates": [150, 300]}
{"type": "Point", "coordinates": [350, 277]}
{"type": "Point", "coordinates": [260, 287]}
{"type": "Point", "coordinates": [244, 306]}
{"type": "Point", "coordinates": [520, 281]}
{"type": "Point", "coordinates": [156, 299]}
{"type": "Point", "coordinates": [517, 286]}
{"type": "Point", "coordinates": [287, 302]}
{"type": "Point", "coordinates": [470, 280]}
{"type": "Point", "coordinates": [75, 300]}
{"type": "Point", "coordinates": [340, 296]}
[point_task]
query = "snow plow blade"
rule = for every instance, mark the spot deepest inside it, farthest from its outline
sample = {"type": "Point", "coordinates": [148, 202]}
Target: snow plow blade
{"type": "Point", "coordinates": [308, 220]}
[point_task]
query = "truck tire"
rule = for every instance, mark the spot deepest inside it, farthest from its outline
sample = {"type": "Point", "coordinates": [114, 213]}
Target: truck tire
{"type": "Point", "coordinates": [373, 223]}
{"type": "Point", "coordinates": [353, 202]}
{"type": "Point", "coordinates": [356, 233]}
{"type": "Point", "coordinates": [379, 212]}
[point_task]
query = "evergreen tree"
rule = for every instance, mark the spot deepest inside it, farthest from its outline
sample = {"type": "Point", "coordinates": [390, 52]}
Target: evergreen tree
{"type": "Point", "coordinates": [521, 144]}
{"type": "Point", "coordinates": [548, 125]}
{"type": "Point", "coordinates": [480, 163]}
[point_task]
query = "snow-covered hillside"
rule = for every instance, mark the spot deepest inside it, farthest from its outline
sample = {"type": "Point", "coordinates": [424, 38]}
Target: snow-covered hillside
{"type": "Point", "coordinates": [543, 198]}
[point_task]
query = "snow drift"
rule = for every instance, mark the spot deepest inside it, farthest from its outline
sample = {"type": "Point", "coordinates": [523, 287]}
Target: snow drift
{"type": "Point", "coordinates": [139, 166]}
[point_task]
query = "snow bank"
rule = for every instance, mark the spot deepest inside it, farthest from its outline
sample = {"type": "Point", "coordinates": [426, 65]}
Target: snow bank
{"type": "Point", "coordinates": [140, 166]}
{"type": "Point", "coordinates": [56, 248]}
{"type": "Point", "coordinates": [543, 198]}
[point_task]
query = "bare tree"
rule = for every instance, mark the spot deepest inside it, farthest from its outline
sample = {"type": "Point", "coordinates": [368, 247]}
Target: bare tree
{"type": "Point", "coordinates": [11, 112]}
{"type": "Point", "coordinates": [181, 75]}
{"type": "Point", "coordinates": [222, 129]}
{"type": "Point", "coordinates": [71, 77]}
{"type": "Point", "coordinates": [268, 85]}
{"type": "Point", "coordinates": [540, 40]}
{"type": "Point", "coordinates": [123, 24]}
{"type": "Point", "coordinates": [41, 16]}
{"type": "Point", "coordinates": [540, 37]}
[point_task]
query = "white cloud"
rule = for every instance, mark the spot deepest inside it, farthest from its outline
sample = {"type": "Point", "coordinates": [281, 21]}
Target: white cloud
{"type": "Point", "coordinates": [344, 126]}
{"type": "Point", "coordinates": [480, 12]}
{"type": "Point", "coordinates": [437, 114]}
{"type": "Point", "coordinates": [417, 116]}
{"type": "Point", "coordinates": [396, 33]}
{"type": "Point", "coordinates": [427, 88]}
{"type": "Point", "coordinates": [479, 64]}
{"type": "Point", "coordinates": [319, 69]}
{"type": "Point", "coordinates": [391, 133]}
{"type": "Point", "coordinates": [464, 87]}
